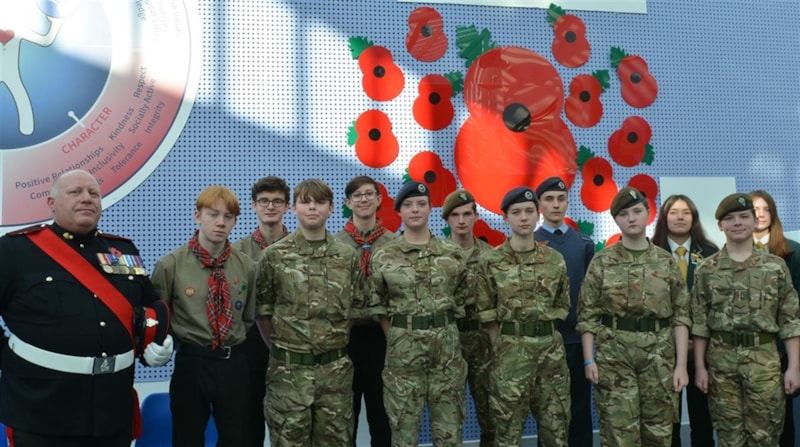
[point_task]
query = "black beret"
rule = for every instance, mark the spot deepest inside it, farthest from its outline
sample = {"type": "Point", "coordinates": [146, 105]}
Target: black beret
{"type": "Point", "coordinates": [518, 195]}
{"type": "Point", "coordinates": [410, 189]}
{"type": "Point", "coordinates": [733, 202]}
{"type": "Point", "coordinates": [551, 184]}
{"type": "Point", "coordinates": [626, 198]}
{"type": "Point", "coordinates": [455, 199]}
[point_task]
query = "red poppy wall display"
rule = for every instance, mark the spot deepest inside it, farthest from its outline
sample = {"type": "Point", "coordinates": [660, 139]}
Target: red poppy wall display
{"type": "Point", "coordinates": [517, 131]}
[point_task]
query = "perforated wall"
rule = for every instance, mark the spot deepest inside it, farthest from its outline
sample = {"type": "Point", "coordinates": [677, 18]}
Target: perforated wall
{"type": "Point", "coordinates": [280, 89]}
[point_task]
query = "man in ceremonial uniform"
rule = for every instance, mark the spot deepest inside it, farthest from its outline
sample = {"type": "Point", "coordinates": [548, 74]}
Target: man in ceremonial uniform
{"type": "Point", "coordinates": [210, 288]}
{"type": "Point", "coordinates": [577, 250]}
{"type": "Point", "coordinates": [73, 299]}
{"type": "Point", "coordinates": [365, 232]}
{"type": "Point", "coordinates": [270, 197]}
{"type": "Point", "coordinates": [461, 213]}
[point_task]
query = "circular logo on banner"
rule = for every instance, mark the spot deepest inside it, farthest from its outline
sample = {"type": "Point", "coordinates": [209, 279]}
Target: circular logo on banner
{"type": "Point", "coordinates": [100, 85]}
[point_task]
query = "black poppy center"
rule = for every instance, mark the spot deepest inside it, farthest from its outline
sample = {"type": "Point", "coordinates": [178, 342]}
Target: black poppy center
{"type": "Point", "coordinates": [427, 31]}
{"type": "Point", "coordinates": [633, 137]}
{"type": "Point", "coordinates": [374, 134]}
{"type": "Point", "coordinates": [429, 176]}
{"type": "Point", "coordinates": [598, 180]}
{"type": "Point", "coordinates": [434, 98]}
{"type": "Point", "coordinates": [517, 117]}
{"type": "Point", "coordinates": [379, 71]}
{"type": "Point", "coordinates": [636, 78]}
{"type": "Point", "coordinates": [585, 96]}
{"type": "Point", "coordinates": [570, 36]}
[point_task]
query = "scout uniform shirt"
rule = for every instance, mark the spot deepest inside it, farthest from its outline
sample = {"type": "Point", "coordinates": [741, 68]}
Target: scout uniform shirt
{"type": "Point", "coordinates": [182, 281]}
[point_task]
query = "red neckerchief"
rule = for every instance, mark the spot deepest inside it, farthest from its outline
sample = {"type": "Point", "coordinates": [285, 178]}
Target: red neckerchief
{"type": "Point", "coordinates": [259, 238]}
{"type": "Point", "coordinates": [218, 309]}
{"type": "Point", "coordinates": [365, 242]}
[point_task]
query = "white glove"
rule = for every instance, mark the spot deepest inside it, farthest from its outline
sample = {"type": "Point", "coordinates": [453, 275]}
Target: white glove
{"type": "Point", "coordinates": [158, 355]}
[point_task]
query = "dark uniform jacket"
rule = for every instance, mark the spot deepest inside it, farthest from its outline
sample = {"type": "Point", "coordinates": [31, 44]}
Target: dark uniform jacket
{"type": "Point", "coordinates": [42, 304]}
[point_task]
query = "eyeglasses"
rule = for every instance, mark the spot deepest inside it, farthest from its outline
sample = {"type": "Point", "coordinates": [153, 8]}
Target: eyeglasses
{"type": "Point", "coordinates": [359, 196]}
{"type": "Point", "coordinates": [277, 203]}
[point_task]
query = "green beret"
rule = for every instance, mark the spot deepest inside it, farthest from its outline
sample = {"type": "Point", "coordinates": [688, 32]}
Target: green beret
{"type": "Point", "coordinates": [626, 198]}
{"type": "Point", "coordinates": [733, 202]}
{"type": "Point", "coordinates": [410, 189]}
{"type": "Point", "coordinates": [551, 184]}
{"type": "Point", "coordinates": [455, 199]}
{"type": "Point", "coordinates": [518, 195]}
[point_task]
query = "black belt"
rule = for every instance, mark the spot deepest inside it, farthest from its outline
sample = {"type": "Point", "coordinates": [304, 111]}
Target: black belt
{"type": "Point", "coordinates": [221, 352]}
{"type": "Point", "coordinates": [527, 329]}
{"type": "Point", "coordinates": [467, 325]}
{"type": "Point", "coordinates": [307, 358]}
{"type": "Point", "coordinates": [744, 339]}
{"type": "Point", "coordinates": [635, 324]}
{"type": "Point", "coordinates": [423, 321]}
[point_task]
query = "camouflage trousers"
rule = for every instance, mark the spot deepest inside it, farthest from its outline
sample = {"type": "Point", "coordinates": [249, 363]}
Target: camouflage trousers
{"type": "Point", "coordinates": [530, 374]}
{"type": "Point", "coordinates": [310, 405]}
{"type": "Point", "coordinates": [745, 394]}
{"type": "Point", "coordinates": [634, 396]}
{"type": "Point", "coordinates": [424, 366]}
{"type": "Point", "coordinates": [476, 348]}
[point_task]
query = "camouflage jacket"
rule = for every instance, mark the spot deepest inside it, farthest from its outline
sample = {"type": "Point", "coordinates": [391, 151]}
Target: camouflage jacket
{"type": "Point", "coordinates": [524, 287]}
{"type": "Point", "coordinates": [309, 292]}
{"type": "Point", "coordinates": [472, 258]}
{"type": "Point", "coordinates": [411, 279]}
{"type": "Point", "coordinates": [623, 285]}
{"type": "Point", "coordinates": [751, 296]}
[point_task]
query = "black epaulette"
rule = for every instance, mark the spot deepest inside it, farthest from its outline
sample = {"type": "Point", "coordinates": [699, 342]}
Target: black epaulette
{"type": "Point", "coordinates": [112, 236]}
{"type": "Point", "coordinates": [28, 230]}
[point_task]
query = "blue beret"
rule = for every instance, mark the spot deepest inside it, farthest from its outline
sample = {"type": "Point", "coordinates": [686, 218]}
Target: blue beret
{"type": "Point", "coordinates": [518, 195]}
{"type": "Point", "coordinates": [551, 184]}
{"type": "Point", "coordinates": [410, 189]}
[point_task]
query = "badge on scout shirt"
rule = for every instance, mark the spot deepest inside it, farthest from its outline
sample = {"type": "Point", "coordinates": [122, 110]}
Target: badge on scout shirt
{"type": "Point", "coordinates": [189, 291]}
{"type": "Point", "coordinates": [239, 305]}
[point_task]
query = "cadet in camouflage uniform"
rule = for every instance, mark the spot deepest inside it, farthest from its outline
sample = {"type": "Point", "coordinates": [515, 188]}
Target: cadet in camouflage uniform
{"type": "Point", "coordinates": [634, 304]}
{"type": "Point", "coordinates": [417, 286]}
{"type": "Point", "coordinates": [307, 287]}
{"type": "Point", "coordinates": [461, 212]}
{"type": "Point", "coordinates": [742, 298]}
{"type": "Point", "coordinates": [523, 289]}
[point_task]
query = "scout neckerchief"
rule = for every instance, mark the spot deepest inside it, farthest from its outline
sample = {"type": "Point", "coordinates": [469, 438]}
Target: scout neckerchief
{"type": "Point", "coordinates": [86, 274]}
{"type": "Point", "coordinates": [218, 309]}
{"type": "Point", "coordinates": [259, 238]}
{"type": "Point", "coordinates": [365, 242]}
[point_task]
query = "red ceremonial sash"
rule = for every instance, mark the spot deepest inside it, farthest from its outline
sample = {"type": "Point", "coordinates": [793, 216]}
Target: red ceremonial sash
{"type": "Point", "coordinates": [86, 274]}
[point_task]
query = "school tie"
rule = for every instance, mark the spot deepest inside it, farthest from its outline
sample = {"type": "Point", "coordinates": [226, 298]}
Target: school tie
{"type": "Point", "coordinates": [682, 264]}
{"type": "Point", "coordinates": [558, 232]}
{"type": "Point", "coordinates": [760, 245]}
